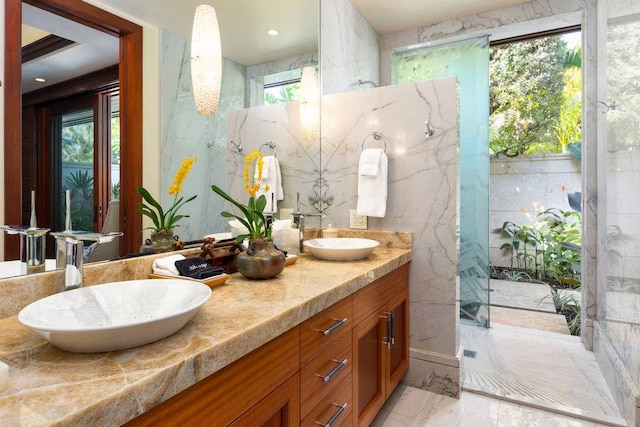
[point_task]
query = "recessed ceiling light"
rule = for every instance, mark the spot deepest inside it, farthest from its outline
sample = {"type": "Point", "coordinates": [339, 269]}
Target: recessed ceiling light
{"type": "Point", "coordinates": [273, 32]}
{"type": "Point", "coordinates": [40, 79]}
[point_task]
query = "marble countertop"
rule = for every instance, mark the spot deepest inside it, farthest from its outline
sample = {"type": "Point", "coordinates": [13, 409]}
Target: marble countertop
{"type": "Point", "coordinates": [48, 386]}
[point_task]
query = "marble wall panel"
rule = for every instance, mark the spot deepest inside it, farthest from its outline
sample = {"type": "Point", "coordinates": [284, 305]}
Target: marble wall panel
{"type": "Point", "coordinates": [422, 188]}
{"type": "Point", "coordinates": [349, 48]}
{"type": "Point", "coordinates": [186, 133]}
{"type": "Point", "coordinates": [298, 157]}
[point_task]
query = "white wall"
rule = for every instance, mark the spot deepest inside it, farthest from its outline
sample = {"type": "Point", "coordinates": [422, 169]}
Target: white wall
{"type": "Point", "coordinates": [523, 186]}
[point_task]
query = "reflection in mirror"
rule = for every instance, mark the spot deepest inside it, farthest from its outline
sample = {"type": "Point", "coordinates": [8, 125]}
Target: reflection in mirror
{"type": "Point", "coordinates": [70, 121]}
{"type": "Point", "coordinates": [68, 78]}
{"type": "Point", "coordinates": [249, 84]}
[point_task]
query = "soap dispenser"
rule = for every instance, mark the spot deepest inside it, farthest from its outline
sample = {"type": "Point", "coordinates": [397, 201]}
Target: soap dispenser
{"type": "Point", "coordinates": [329, 232]}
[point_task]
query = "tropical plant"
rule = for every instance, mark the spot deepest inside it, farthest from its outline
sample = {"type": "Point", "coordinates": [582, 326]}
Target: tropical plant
{"type": "Point", "coordinates": [252, 213]}
{"type": "Point", "coordinates": [80, 184]}
{"type": "Point", "coordinates": [548, 249]}
{"type": "Point", "coordinates": [568, 304]}
{"type": "Point", "coordinates": [526, 84]}
{"type": "Point", "coordinates": [166, 220]}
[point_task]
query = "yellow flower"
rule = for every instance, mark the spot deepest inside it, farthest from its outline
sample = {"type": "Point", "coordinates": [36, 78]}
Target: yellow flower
{"type": "Point", "coordinates": [251, 181]}
{"type": "Point", "coordinates": [176, 187]}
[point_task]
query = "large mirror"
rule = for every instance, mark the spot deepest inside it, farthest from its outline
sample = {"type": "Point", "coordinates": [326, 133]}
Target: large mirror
{"type": "Point", "coordinates": [257, 67]}
{"type": "Point", "coordinates": [35, 164]}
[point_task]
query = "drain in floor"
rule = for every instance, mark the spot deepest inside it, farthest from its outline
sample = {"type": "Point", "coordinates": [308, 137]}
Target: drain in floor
{"type": "Point", "coordinates": [470, 353]}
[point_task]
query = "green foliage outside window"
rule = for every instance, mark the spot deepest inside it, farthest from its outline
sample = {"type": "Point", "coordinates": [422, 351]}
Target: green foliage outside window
{"type": "Point", "coordinates": [535, 93]}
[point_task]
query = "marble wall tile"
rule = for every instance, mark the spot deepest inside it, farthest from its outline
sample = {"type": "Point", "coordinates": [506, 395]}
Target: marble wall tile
{"type": "Point", "coordinates": [186, 133]}
{"type": "Point", "coordinates": [349, 48]}
{"type": "Point", "coordinates": [298, 157]}
{"type": "Point", "coordinates": [422, 188]}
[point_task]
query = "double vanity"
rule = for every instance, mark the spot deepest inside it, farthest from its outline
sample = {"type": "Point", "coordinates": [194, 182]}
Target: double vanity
{"type": "Point", "coordinates": [322, 342]}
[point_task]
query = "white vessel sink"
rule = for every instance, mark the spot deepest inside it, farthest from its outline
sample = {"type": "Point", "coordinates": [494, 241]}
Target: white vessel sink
{"type": "Point", "coordinates": [115, 316]}
{"type": "Point", "coordinates": [341, 248]}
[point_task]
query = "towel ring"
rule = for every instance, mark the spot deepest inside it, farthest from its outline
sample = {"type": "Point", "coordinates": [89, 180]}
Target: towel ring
{"type": "Point", "coordinates": [376, 136]}
{"type": "Point", "coordinates": [269, 144]}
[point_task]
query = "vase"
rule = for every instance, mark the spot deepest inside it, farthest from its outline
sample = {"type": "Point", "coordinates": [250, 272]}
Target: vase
{"type": "Point", "coordinates": [160, 241]}
{"type": "Point", "coordinates": [261, 260]}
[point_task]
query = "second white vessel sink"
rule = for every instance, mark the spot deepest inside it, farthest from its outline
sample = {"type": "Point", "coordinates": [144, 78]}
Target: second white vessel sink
{"type": "Point", "coordinates": [341, 248]}
{"type": "Point", "coordinates": [115, 316]}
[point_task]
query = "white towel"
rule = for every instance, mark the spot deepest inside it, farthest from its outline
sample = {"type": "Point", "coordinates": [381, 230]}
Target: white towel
{"type": "Point", "coordinates": [271, 177]}
{"type": "Point", "coordinates": [167, 265]}
{"type": "Point", "coordinates": [372, 188]}
{"type": "Point", "coordinates": [370, 162]}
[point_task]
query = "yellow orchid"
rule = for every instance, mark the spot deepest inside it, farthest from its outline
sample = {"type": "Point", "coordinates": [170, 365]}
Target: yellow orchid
{"type": "Point", "coordinates": [167, 220]}
{"type": "Point", "coordinates": [252, 213]}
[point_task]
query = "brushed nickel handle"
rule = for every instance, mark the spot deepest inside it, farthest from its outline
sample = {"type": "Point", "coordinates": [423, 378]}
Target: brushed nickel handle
{"type": "Point", "coordinates": [387, 316]}
{"type": "Point", "coordinates": [392, 326]}
{"type": "Point", "coordinates": [339, 322]}
{"type": "Point", "coordinates": [335, 416]}
{"type": "Point", "coordinates": [334, 371]}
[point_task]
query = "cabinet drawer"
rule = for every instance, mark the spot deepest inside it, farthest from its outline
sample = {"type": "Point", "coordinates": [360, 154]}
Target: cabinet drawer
{"type": "Point", "coordinates": [324, 329]}
{"type": "Point", "coordinates": [321, 375]}
{"type": "Point", "coordinates": [332, 406]}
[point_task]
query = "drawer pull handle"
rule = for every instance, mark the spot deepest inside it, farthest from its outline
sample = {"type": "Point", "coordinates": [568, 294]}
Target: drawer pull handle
{"type": "Point", "coordinates": [339, 322]}
{"type": "Point", "coordinates": [392, 326]}
{"type": "Point", "coordinates": [335, 416]}
{"type": "Point", "coordinates": [334, 371]}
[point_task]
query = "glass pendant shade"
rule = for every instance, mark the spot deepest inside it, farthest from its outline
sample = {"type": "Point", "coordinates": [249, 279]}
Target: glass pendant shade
{"type": "Point", "coordinates": [309, 104]}
{"type": "Point", "coordinates": [206, 60]}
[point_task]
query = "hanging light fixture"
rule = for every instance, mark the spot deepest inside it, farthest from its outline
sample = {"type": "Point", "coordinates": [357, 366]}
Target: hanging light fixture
{"type": "Point", "coordinates": [206, 60]}
{"type": "Point", "coordinates": [309, 104]}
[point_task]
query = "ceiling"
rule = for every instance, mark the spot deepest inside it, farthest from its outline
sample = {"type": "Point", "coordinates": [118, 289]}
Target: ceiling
{"type": "Point", "coordinates": [243, 26]}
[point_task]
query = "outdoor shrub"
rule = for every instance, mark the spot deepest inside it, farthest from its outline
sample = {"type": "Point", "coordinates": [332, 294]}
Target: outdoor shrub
{"type": "Point", "coordinates": [549, 249]}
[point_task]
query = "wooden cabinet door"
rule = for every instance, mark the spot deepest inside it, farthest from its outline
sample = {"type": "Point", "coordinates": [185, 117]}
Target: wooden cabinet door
{"type": "Point", "coordinates": [281, 408]}
{"type": "Point", "coordinates": [398, 351]}
{"type": "Point", "coordinates": [369, 357]}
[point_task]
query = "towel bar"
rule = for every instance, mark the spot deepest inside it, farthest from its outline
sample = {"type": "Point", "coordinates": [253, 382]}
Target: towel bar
{"type": "Point", "coordinates": [376, 136]}
{"type": "Point", "coordinates": [269, 144]}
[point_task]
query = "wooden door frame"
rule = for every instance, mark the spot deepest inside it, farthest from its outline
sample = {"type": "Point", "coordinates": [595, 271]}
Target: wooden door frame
{"type": "Point", "coordinates": [130, 76]}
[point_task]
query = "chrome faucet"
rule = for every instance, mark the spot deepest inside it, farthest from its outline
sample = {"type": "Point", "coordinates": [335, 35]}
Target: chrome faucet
{"type": "Point", "coordinates": [71, 254]}
{"type": "Point", "coordinates": [298, 222]}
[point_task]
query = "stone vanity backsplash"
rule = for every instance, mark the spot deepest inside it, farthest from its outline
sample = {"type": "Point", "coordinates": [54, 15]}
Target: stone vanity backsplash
{"type": "Point", "coordinates": [20, 291]}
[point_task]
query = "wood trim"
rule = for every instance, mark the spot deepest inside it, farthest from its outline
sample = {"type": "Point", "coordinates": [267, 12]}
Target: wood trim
{"type": "Point", "coordinates": [225, 395]}
{"type": "Point", "coordinates": [130, 140]}
{"type": "Point", "coordinates": [44, 46]}
{"type": "Point", "coordinates": [130, 75]}
{"type": "Point", "coordinates": [97, 81]}
{"type": "Point", "coordinates": [86, 14]}
{"type": "Point", "coordinates": [13, 123]}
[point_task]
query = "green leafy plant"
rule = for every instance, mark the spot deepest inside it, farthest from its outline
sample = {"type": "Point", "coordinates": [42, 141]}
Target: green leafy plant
{"type": "Point", "coordinates": [166, 220]}
{"type": "Point", "coordinates": [547, 250]}
{"type": "Point", "coordinates": [80, 183]}
{"type": "Point", "coordinates": [252, 213]}
{"type": "Point", "coordinates": [568, 304]}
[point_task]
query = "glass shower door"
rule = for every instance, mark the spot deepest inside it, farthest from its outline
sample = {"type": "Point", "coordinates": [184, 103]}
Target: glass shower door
{"type": "Point", "coordinates": [468, 60]}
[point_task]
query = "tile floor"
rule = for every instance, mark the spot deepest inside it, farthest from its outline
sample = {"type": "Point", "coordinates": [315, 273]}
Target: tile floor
{"type": "Point", "coordinates": [408, 407]}
{"type": "Point", "coordinates": [538, 368]}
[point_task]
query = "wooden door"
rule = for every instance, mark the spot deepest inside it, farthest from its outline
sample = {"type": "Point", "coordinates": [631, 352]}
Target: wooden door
{"type": "Point", "coordinates": [369, 357]}
{"type": "Point", "coordinates": [398, 352]}
{"type": "Point", "coordinates": [281, 408]}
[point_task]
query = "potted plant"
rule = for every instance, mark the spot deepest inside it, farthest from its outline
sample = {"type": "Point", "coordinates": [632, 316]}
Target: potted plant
{"type": "Point", "coordinates": [164, 221]}
{"type": "Point", "coordinates": [261, 260]}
